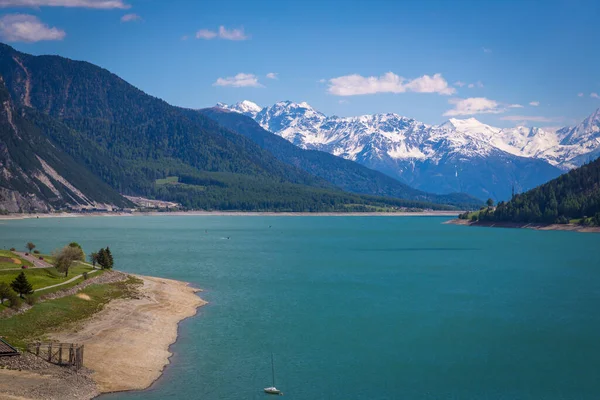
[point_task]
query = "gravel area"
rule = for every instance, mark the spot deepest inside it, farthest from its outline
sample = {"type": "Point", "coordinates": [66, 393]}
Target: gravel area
{"type": "Point", "coordinates": [29, 377]}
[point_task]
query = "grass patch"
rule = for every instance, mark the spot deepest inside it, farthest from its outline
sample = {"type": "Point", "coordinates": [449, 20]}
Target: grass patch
{"type": "Point", "coordinates": [167, 180]}
{"type": "Point", "coordinates": [7, 260]}
{"type": "Point", "coordinates": [42, 277]}
{"type": "Point", "coordinates": [54, 314]}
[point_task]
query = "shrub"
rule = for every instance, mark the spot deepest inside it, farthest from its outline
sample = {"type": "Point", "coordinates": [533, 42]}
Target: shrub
{"type": "Point", "coordinates": [14, 301]}
{"type": "Point", "coordinates": [85, 275]}
{"type": "Point", "coordinates": [5, 292]}
{"type": "Point", "coordinates": [474, 218]}
{"type": "Point", "coordinates": [30, 299]}
{"type": "Point", "coordinates": [36, 252]}
{"type": "Point", "coordinates": [12, 249]}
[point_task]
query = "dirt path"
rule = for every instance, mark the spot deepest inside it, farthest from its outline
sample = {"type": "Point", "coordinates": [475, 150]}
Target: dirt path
{"type": "Point", "coordinates": [65, 282]}
{"type": "Point", "coordinates": [127, 343]}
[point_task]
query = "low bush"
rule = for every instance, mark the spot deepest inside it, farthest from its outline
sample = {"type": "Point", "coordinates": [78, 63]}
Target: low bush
{"type": "Point", "coordinates": [30, 299]}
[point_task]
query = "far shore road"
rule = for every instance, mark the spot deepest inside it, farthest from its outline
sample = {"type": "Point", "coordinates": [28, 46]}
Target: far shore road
{"type": "Point", "coordinates": [236, 213]}
{"type": "Point", "coordinates": [520, 225]}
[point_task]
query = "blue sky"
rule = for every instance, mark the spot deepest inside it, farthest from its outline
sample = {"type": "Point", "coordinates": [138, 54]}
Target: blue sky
{"type": "Point", "coordinates": [533, 62]}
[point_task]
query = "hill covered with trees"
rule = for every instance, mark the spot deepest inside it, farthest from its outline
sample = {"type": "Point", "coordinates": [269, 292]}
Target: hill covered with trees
{"type": "Point", "coordinates": [572, 197]}
{"type": "Point", "coordinates": [131, 141]}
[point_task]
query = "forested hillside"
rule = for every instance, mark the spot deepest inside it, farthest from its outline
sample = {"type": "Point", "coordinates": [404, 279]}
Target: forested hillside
{"type": "Point", "coordinates": [131, 141]}
{"type": "Point", "coordinates": [35, 175]}
{"type": "Point", "coordinates": [572, 196]}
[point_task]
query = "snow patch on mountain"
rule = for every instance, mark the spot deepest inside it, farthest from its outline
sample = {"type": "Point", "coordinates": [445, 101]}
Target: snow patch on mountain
{"type": "Point", "coordinates": [403, 138]}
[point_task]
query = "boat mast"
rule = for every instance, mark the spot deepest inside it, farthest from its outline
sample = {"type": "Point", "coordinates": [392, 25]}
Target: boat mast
{"type": "Point", "coordinates": [273, 369]}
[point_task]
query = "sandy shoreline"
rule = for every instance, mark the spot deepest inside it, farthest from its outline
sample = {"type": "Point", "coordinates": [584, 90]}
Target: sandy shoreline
{"type": "Point", "coordinates": [126, 346]}
{"type": "Point", "coordinates": [538, 227]}
{"type": "Point", "coordinates": [236, 213]}
{"type": "Point", "coordinates": [127, 343]}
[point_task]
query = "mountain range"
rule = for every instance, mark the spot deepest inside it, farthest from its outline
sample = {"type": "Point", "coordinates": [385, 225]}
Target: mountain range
{"type": "Point", "coordinates": [460, 155]}
{"type": "Point", "coordinates": [76, 136]}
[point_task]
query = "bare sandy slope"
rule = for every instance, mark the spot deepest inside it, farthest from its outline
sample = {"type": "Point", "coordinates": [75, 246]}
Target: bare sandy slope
{"type": "Point", "coordinates": [127, 343]}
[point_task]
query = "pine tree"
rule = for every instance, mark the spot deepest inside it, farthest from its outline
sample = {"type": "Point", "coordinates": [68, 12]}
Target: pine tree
{"type": "Point", "coordinates": [102, 259]}
{"type": "Point", "coordinates": [21, 285]}
{"type": "Point", "coordinates": [109, 257]}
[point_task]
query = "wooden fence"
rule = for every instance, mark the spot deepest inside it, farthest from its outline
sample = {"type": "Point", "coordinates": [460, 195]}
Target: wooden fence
{"type": "Point", "coordinates": [59, 353]}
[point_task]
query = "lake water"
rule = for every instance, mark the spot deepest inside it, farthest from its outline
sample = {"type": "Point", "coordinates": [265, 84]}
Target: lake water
{"type": "Point", "coordinates": [361, 307]}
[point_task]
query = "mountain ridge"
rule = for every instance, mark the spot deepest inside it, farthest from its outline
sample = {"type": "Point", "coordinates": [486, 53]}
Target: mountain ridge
{"type": "Point", "coordinates": [346, 174]}
{"type": "Point", "coordinates": [399, 146]}
{"type": "Point", "coordinates": [132, 141]}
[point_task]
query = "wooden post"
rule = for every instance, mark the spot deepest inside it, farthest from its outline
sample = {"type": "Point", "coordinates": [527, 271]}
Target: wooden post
{"type": "Point", "coordinates": [60, 346]}
{"type": "Point", "coordinates": [50, 352]}
{"type": "Point", "coordinates": [37, 350]}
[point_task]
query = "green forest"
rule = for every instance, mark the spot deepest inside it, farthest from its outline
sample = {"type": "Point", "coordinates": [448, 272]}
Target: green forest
{"type": "Point", "coordinates": [571, 198]}
{"type": "Point", "coordinates": [129, 140]}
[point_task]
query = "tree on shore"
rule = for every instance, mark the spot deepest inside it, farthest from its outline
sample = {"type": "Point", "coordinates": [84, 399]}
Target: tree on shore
{"type": "Point", "coordinates": [30, 246]}
{"type": "Point", "coordinates": [21, 285]}
{"type": "Point", "coordinates": [93, 258]}
{"type": "Point", "coordinates": [490, 202]}
{"type": "Point", "coordinates": [105, 258]}
{"type": "Point", "coordinates": [111, 261]}
{"type": "Point", "coordinates": [65, 257]}
{"type": "Point", "coordinates": [76, 245]}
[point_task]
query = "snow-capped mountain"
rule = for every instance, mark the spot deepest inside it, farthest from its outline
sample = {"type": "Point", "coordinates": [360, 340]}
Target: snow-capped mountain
{"type": "Point", "coordinates": [458, 155]}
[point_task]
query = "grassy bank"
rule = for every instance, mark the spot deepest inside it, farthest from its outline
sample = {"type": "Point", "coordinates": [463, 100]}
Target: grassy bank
{"type": "Point", "coordinates": [42, 277]}
{"type": "Point", "coordinates": [55, 314]}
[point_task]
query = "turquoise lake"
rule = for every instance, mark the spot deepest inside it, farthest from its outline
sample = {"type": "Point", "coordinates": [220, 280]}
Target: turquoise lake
{"type": "Point", "coordinates": [361, 307]}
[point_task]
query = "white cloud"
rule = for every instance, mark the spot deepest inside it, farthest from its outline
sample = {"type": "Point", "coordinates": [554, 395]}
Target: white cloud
{"type": "Point", "coordinates": [580, 94]}
{"type": "Point", "coordinates": [486, 50]}
{"type": "Point", "coordinates": [594, 95]}
{"type": "Point", "coordinates": [459, 83]}
{"type": "Point", "coordinates": [100, 4]}
{"type": "Point", "coordinates": [343, 101]}
{"type": "Point", "coordinates": [515, 106]}
{"type": "Point", "coordinates": [531, 118]}
{"type": "Point", "coordinates": [130, 18]}
{"type": "Point", "coordinates": [205, 34]}
{"type": "Point", "coordinates": [534, 103]}
{"type": "Point", "coordinates": [474, 105]}
{"type": "Point", "coordinates": [27, 28]}
{"type": "Point", "coordinates": [272, 75]}
{"type": "Point", "coordinates": [185, 37]}
{"type": "Point", "coordinates": [233, 34]}
{"type": "Point", "coordinates": [223, 33]}
{"type": "Point", "coordinates": [353, 85]}
{"type": "Point", "coordinates": [477, 84]}
{"type": "Point", "coordinates": [322, 80]}
{"type": "Point", "coordinates": [240, 80]}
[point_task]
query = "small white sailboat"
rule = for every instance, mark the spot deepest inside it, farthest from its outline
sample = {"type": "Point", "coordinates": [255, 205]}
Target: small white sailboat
{"type": "Point", "coordinates": [273, 389]}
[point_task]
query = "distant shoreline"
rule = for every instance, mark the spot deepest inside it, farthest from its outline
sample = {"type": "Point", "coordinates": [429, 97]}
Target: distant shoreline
{"type": "Point", "coordinates": [234, 213]}
{"type": "Point", "coordinates": [521, 225]}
